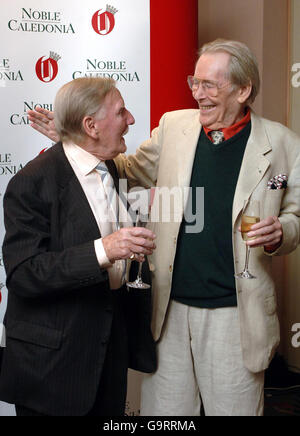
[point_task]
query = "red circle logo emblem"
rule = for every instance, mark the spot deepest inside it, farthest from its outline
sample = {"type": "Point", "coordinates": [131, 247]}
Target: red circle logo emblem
{"type": "Point", "coordinates": [46, 69]}
{"type": "Point", "coordinates": [103, 22]}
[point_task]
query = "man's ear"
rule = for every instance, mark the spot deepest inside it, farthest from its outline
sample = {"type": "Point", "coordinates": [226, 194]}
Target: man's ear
{"type": "Point", "coordinates": [89, 127]}
{"type": "Point", "coordinates": [244, 93]}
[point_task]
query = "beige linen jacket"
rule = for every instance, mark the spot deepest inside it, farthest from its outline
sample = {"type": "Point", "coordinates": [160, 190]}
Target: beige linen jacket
{"type": "Point", "coordinates": [166, 160]}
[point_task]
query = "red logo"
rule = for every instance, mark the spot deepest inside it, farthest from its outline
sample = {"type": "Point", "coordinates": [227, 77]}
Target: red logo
{"type": "Point", "coordinates": [103, 22]}
{"type": "Point", "coordinates": [47, 68]}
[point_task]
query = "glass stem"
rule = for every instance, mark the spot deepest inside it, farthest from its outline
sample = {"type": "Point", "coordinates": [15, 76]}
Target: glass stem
{"type": "Point", "coordinates": [247, 257]}
{"type": "Point", "coordinates": [139, 275]}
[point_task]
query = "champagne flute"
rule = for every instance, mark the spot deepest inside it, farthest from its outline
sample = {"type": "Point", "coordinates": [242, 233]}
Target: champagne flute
{"type": "Point", "coordinates": [250, 216]}
{"type": "Point", "coordinates": [141, 221]}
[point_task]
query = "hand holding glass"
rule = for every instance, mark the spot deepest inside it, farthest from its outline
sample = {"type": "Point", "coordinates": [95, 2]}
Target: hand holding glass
{"type": "Point", "coordinates": [250, 216]}
{"type": "Point", "coordinates": [141, 221]}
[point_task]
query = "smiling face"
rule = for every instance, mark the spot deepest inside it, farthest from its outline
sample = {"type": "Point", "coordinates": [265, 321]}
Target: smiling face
{"type": "Point", "coordinates": [228, 106]}
{"type": "Point", "coordinates": [109, 126]}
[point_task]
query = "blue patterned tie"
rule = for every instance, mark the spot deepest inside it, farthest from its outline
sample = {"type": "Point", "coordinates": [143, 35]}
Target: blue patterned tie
{"type": "Point", "coordinates": [110, 191]}
{"type": "Point", "coordinates": [113, 205]}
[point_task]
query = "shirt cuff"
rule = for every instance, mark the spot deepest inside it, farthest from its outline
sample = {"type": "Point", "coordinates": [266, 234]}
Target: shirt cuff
{"type": "Point", "coordinates": [270, 249]}
{"type": "Point", "coordinates": [102, 258]}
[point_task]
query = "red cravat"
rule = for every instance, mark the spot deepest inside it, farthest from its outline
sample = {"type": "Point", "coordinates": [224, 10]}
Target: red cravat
{"type": "Point", "coordinates": [229, 132]}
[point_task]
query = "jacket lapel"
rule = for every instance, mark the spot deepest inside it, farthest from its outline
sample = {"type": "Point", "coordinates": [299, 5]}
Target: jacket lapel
{"type": "Point", "coordinates": [253, 168]}
{"type": "Point", "coordinates": [111, 166]}
{"type": "Point", "coordinates": [186, 149]}
{"type": "Point", "coordinates": [74, 201]}
{"type": "Point", "coordinates": [254, 165]}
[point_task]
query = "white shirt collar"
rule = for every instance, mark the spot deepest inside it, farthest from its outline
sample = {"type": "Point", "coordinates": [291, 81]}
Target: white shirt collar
{"type": "Point", "coordinates": [85, 161]}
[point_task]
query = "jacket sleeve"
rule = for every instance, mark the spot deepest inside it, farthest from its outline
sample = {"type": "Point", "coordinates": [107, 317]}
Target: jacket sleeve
{"type": "Point", "coordinates": [141, 169]}
{"type": "Point", "coordinates": [33, 267]}
{"type": "Point", "coordinates": [290, 213]}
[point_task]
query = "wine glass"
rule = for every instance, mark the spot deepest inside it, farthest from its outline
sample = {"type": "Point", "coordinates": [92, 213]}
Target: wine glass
{"type": "Point", "coordinates": [141, 221]}
{"type": "Point", "coordinates": [250, 216]}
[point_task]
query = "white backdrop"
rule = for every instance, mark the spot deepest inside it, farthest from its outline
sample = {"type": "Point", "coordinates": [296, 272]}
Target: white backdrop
{"type": "Point", "coordinates": [46, 44]}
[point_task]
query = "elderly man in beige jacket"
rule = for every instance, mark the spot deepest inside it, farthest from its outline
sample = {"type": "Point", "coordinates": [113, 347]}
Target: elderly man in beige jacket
{"type": "Point", "coordinates": [216, 333]}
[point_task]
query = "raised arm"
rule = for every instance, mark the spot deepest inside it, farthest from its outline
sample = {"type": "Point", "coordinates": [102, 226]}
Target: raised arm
{"type": "Point", "coordinates": [42, 121]}
{"type": "Point", "coordinates": [140, 169]}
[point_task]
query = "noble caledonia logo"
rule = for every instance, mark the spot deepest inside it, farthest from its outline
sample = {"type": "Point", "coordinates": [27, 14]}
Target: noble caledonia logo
{"type": "Point", "coordinates": [47, 68]}
{"type": "Point", "coordinates": [103, 21]}
{"type": "Point", "coordinates": [116, 70]}
{"type": "Point", "coordinates": [8, 74]}
{"type": "Point", "coordinates": [21, 119]}
{"type": "Point", "coordinates": [38, 21]}
{"type": "Point", "coordinates": [8, 167]}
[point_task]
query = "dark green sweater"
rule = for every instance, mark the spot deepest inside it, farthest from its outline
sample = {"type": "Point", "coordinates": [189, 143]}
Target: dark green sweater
{"type": "Point", "coordinates": [204, 270]}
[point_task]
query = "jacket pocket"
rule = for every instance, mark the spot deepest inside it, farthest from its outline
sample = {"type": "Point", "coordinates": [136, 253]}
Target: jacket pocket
{"type": "Point", "coordinates": [272, 202]}
{"type": "Point", "coordinates": [34, 334]}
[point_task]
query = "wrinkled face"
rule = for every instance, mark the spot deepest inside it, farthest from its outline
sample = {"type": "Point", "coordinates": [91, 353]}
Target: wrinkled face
{"type": "Point", "coordinates": [114, 126]}
{"type": "Point", "coordinates": [227, 107]}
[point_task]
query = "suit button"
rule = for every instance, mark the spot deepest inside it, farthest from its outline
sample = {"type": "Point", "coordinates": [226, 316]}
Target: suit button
{"type": "Point", "coordinates": [171, 268]}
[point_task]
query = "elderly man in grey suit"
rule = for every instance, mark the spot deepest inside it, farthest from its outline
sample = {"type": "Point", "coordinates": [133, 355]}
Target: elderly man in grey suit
{"type": "Point", "coordinates": [217, 333]}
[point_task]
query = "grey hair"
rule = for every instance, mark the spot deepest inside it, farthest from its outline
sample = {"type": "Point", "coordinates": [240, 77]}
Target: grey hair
{"type": "Point", "coordinates": [243, 66]}
{"type": "Point", "coordinates": [75, 100]}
